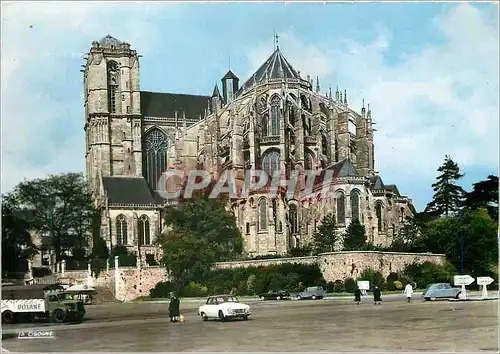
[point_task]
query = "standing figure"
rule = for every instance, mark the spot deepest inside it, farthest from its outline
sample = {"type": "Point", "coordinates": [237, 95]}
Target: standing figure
{"type": "Point", "coordinates": [408, 291]}
{"type": "Point", "coordinates": [377, 295]}
{"type": "Point", "coordinates": [357, 295]}
{"type": "Point", "coordinates": [173, 309]}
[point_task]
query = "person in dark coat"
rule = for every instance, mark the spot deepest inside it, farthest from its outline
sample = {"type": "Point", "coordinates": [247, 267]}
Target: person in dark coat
{"type": "Point", "coordinates": [357, 296]}
{"type": "Point", "coordinates": [377, 295]}
{"type": "Point", "coordinates": [174, 309]}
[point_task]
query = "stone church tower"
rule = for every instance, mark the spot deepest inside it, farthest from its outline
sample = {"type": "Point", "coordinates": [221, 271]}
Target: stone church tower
{"type": "Point", "coordinates": [277, 120]}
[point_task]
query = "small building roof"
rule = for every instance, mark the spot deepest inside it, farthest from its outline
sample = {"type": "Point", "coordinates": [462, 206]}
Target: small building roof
{"type": "Point", "coordinates": [127, 190]}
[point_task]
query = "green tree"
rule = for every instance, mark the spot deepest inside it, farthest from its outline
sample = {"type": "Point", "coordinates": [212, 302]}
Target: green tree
{"type": "Point", "coordinates": [409, 237]}
{"type": "Point", "coordinates": [479, 233]}
{"type": "Point", "coordinates": [484, 194]}
{"type": "Point", "coordinates": [355, 236]}
{"type": "Point", "coordinates": [448, 196]}
{"type": "Point", "coordinates": [326, 236]}
{"type": "Point", "coordinates": [17, 245]}
{"type": "Point", "coordinates": [201, 232]}
{"type": "Point", "coordinates": [59, 206]}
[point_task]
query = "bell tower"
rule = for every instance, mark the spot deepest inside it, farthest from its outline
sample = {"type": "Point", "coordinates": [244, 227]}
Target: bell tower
{"type": "Point", "coordinates": [113, 121]}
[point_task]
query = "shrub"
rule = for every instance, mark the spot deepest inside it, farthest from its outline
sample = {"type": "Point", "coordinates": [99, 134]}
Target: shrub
{"type": "Point", "coordinates": [162, 290]}
{"type": "Point", "coordinates": [397, 285]}
{"type": "Point", "coordinates": [329, 286]}
{"type": "Point", "coordinates": [350, 285]}
{"type": "Point", "coordinates": [194, 290]}
{"type": "Point", "coordinates": [374, 277]}
{"type": "Point", "coordinates": [250, 284]}
{"type": "Point", "coordinates": [338, 286]}
{"type": "Point", "coordinates": [391, 278]}
{"type": "Point", "coordinates": [427, 273]}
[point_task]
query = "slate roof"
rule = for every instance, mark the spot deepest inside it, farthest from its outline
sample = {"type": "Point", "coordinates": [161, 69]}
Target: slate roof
{"type": "Point", "coordinates": [230, 75]}
{"type": "Point", "coordinates": [108, 41]}
{"type": "Point", "coordinates": [275, 67]}
{"type": "Point", "coordinates": [376, 182]}
{"type": "Point", "coordinates": [127, 190]}
{"type": "Point", "coordinates": [393, 188]}
{"type": "Point", "coordinates": [344, 168]}
{"type": "Point", "coordinates": [159, 104]}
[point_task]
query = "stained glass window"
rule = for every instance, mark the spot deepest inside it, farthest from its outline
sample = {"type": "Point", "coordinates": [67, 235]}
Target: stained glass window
{"type": "Point", "coordinates": [144, 231]}
{"type": "Point", "coordinates": [121, 230]}
{"type": "Point", "coordinates": [271, 162]}
{"type": "Point", "coordinates": [155, 156]}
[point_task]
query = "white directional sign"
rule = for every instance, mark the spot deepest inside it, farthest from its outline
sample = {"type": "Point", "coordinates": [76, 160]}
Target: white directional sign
{"type": "Point", "coordinates": [484, 280]}
{"type": "Point", "coordinates": [363, 285]}
{"type": "Point", "coordinates": [463, 280]}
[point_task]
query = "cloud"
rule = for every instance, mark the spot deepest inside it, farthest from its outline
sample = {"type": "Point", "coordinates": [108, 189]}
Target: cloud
{"type": "Point", "coordinates": [43, 45]}
{"type": "Point", "coordinates": [441, 99]}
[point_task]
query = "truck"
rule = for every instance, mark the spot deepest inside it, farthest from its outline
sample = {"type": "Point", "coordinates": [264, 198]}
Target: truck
{"type": "Point", "coordinates": [312, 292]}
{"type": "Point", "coordinates": [27, 302]}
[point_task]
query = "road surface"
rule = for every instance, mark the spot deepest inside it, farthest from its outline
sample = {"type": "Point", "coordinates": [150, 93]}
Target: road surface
{"type": "Point", "coordinates": [320, 325]}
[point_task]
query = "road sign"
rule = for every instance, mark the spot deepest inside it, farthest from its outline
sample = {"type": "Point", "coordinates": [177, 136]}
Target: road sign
{"type": "Point", "coordinates": [363, 285]}
{"type": "Point", "coordinates": [463, 280]}
{"type": "Point", "coordinates": [484, 280]}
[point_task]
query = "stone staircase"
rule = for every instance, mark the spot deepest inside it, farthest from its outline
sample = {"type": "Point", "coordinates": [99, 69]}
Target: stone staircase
{"type": "Point", "coordinates": [104, 295]}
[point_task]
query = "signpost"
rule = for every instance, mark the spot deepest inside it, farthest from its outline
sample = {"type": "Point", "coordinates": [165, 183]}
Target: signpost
{"type": "Point", "coordinates": [463, 281]}
{"type": "Point", "coordinates": [363, 285]}
{"type": "Point", "coordinates": [484, 281]}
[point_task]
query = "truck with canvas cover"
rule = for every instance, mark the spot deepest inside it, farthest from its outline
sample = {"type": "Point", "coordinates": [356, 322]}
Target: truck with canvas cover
{"type": "Point", "coordinates": [24, 303]}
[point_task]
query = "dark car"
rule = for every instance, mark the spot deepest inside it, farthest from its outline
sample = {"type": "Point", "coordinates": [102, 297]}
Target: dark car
{"type": "Point", "coordinates": [275, 295]}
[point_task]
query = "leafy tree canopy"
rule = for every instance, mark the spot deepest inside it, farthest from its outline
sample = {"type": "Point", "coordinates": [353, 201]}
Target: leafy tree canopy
{"type": "Point", "coordinates": [448, 196]}
{"type": "Point", "coordinates": [17, 245]}
{"type": "Point", "coordinates": [355, 236]}
{"type": "Point", "coordinates": [201, 232]}
{"type": "Point", "coordinates": [326, 236]}
{"type": "Point", "coordinates": [484, 194]}
{"type": "Point", "coordinates": [59, 206]}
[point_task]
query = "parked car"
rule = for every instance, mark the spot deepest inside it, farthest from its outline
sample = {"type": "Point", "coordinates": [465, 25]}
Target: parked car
{"type": "Point", "coordinates": [312, 292]}
{"type": "Point", "coordinates": [441, 291]}
{"type": "Point", "coordinates": [275, 295]}
{"type": "Point", "coordinates": [223, 307]}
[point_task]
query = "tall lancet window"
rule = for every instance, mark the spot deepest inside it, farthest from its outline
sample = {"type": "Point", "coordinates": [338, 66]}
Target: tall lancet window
{"type": "Point", "coordinates": [355, 205]}
{"type": "Point", "coordinates": [144, 231]}
{"type": "Point", "coordinates": [340, 208]}
{"type": "Point", "coordinates": [262, 216]}
{"type": "Point", "coordinates": [121, 230]}
{"type": "Point", "coordinates": [113, 86]}
{"type": "Point", "coordinates": [155, 156]}
{"type": "Point", "coordinates": [271, 162]}
{"type": "Point", "coordinates": [274, 127]}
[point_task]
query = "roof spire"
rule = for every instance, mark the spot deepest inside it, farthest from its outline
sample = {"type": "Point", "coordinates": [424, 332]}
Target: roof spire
{"type": "Point", "coordinates": [317, 84]}
{"type": "Point", "coordinates": [276, 40]}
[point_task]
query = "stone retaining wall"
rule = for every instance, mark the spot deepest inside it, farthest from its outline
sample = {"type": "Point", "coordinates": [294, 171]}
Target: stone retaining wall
{"type": "Point", "coordinates": [129, 283]}
{"type": "Point", "coordinates": [342, 265]}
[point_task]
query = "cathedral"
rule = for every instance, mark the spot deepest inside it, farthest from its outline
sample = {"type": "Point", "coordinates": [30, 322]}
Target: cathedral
{"type": "Point", "coordinates": [276, 120]}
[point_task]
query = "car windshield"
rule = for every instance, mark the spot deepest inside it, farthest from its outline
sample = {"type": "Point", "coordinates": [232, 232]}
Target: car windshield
{"type": "Point", "coordinates": [223, 299]}
{"type": "Point", "coordinates": [65, 296]}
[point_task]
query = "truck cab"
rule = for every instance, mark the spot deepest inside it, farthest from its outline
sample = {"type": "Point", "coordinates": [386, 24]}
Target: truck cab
{"type": "Point", "coordinates": [24, 303]}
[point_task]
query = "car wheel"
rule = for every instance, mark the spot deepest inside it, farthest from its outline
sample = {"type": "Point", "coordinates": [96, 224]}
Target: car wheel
{"type": "Point", "coordinates": [59, 316]}
{"type": "Point", "coordinates": [8, 317]}
{"type": "Point", "coordinates": [427, 299]}
{"type": "Point", "coordinates": [245, 318]}
{"type": "Point", "coordinates": [313, 297]}
{"type": "Point", "coordinates": [262, 298]}
{"type": "Point", "coordinates": [221, 316]}
{"type": "Point", "coordinates": [203, 316]}
{"type": "Point", "coordinates": [299, 297]}
{"type": "Point", "coordinates": [278, 298]}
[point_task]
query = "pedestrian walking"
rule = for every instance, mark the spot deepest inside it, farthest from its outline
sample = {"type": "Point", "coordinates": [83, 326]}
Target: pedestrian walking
{"type": "Point", "coordinates": [377, 296]}
{"type": "Point", "coordinates": [357, 295]}
{"type": "Point", "coordinates": [408, 291]}
{"type": "Point", "coordinates": [174, 308]}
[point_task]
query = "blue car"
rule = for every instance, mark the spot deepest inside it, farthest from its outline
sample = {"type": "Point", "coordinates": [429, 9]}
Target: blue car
{"type": "Point", "coordinates": [441, 291]}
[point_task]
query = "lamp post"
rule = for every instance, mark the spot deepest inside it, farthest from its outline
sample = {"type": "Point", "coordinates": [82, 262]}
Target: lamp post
{"type": "Point", "coordinates": [460, 230]}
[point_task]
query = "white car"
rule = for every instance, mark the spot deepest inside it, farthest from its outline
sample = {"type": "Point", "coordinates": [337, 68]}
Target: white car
{"type": "Point", "coordinates": [223, 307]}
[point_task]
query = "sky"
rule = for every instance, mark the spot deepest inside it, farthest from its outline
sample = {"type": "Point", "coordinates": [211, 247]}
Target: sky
{"type": "Point", "coordinates": [429, 71]}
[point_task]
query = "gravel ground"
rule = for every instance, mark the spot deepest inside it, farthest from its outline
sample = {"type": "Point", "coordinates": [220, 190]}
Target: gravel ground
{"type": "Point", "coordinates": [321, 325]}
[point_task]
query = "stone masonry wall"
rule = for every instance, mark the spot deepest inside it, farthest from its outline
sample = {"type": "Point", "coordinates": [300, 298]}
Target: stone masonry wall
{"type": "Point", "coordinates": [342, 265]}
{"type": "Point", "coordinates": [134, 283]}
